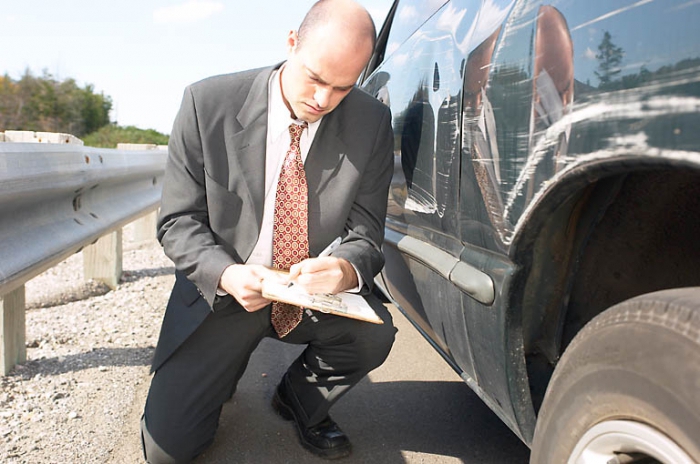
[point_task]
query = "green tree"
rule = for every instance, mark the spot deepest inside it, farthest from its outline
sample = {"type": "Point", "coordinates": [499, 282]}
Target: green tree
{"type": "Point", "coordinates": [94, 110]}
{"type": "Point", "coordinates": [8, 101]}
{"type": "Point", "coordinates": [49, 105]}
{"type": "Point", "coordinates": [109, 136]}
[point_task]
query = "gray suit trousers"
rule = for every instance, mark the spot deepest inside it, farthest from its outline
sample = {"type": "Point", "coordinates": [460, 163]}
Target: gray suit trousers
{"type": "Point", "coordinates": [189, 389]}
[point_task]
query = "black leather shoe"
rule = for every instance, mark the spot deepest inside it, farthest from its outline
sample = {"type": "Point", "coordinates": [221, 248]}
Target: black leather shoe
{"type": "Point", "coordinates": [324, 439]}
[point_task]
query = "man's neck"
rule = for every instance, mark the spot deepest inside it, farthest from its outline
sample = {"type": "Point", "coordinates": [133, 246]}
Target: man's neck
{"type": "Point", "coordinates": [284, 99]}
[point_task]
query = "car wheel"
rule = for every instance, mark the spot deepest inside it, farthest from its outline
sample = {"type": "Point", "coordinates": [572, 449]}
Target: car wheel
{"type": "Point", "coordinates": [627, 389]}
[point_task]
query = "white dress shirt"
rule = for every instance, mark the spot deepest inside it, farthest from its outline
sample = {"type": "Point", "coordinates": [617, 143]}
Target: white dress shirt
{"type": "Point", "coordinates": [278, 141]}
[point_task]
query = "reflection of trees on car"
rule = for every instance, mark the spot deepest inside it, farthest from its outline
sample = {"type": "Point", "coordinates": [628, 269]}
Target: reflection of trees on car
{"type": "Point", "coordinates": [610, 58]}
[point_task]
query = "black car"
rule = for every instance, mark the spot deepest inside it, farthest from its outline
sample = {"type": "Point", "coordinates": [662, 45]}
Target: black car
{"type": "Point", "coordinates": [543, 227]}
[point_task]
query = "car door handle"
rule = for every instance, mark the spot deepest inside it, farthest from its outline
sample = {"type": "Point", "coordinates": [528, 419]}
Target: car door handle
{"type": "Point", "coordinates": [467, 278]}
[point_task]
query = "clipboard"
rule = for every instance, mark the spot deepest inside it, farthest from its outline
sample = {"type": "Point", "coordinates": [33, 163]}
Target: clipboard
{"type": "Point", "coordinates": [342, 304]}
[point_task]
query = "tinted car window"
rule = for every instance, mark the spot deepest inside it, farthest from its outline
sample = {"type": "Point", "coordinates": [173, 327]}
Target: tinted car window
{"type": "Point", "coordinates": [410, 14]}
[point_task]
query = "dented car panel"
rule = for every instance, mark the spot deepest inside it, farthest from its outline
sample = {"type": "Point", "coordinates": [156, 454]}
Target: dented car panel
{"type": "Point", "coordinates": [536, 144]}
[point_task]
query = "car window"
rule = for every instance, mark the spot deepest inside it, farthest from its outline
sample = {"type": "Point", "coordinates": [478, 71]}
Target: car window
{"type": "Point", "coordinates": [409, 16]}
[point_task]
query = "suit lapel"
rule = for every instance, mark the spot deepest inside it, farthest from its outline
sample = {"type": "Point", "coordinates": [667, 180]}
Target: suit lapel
{"type": "Point", "coordinates": [248, 146]}
{"type": "Point", "coordinates": [325, 154]}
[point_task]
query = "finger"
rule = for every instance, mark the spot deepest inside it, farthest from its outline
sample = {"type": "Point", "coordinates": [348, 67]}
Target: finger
{"type": "Point", "coordinates": [314, 265]}
{"type": "Point", "coordinates": [295, 271]}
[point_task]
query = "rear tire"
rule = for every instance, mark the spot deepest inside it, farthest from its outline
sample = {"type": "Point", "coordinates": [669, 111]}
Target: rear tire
{"type": "Point", "coordinates": [628, 385]}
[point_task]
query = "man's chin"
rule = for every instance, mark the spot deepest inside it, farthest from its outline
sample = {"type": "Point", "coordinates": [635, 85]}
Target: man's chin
{"type": "Point", "coordinates": [309, 115]}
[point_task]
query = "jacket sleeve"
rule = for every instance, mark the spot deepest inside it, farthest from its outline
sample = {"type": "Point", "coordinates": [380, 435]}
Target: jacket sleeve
{"type": "Point", "coordinates": [365, 223]}
{"type": "Point", "coordinates": [183, 223]}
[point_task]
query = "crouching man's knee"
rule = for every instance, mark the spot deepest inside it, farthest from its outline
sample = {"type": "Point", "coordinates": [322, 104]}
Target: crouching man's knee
{"type": "Point", "coordinates": [167, 453]}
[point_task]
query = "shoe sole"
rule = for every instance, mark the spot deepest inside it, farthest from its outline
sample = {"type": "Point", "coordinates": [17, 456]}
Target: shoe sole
{"type": "Point", "coordinates": [287, 413]}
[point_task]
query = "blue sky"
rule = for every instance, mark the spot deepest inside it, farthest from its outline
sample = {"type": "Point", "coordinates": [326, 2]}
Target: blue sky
{"type": "Point", "coordinates": [143, 53]}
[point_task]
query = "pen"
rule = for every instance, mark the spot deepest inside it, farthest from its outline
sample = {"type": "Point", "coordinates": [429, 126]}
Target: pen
{"type": "Point", "coordinates": [330, 248]}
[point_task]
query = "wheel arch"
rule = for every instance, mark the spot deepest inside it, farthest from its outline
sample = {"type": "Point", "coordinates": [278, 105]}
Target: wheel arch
{"type": "Point", "coordinates": [604, 232]}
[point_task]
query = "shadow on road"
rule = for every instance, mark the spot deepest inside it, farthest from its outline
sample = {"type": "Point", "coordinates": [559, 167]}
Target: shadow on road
{"type": "Point", "coordinates": [388, 421]}
{"type": "Point", "coordinates": [97, 357]}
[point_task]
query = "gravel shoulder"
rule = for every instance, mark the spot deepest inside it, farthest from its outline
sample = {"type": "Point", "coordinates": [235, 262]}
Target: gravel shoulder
{"type": "Point", "coordinates": [79, 396]}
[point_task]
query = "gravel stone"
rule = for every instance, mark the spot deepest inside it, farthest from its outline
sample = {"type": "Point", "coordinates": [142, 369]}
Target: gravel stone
{"type": "Point", "coordinates": [79, 396]}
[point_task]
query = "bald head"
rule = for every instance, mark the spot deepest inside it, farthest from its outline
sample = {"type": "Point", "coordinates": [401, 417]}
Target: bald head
{"type": "Point", "coordinates": [350, 20]}
{"type": "Point", "coordinates": [326, 56]}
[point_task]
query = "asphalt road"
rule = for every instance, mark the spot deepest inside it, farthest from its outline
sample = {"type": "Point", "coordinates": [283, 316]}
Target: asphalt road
{"type": "Point", "coordinates": [413, 409]}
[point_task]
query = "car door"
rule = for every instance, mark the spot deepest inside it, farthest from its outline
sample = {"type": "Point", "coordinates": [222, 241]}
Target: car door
{"type": "Point", "coordinates": [421, 79]}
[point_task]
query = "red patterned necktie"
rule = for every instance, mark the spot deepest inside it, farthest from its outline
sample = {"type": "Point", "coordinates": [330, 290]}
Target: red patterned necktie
{"type": "Point", "coordinates": [290, 236]}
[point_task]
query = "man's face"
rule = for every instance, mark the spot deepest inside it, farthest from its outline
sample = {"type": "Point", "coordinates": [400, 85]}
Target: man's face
{"type": "Point", "coordinates": [318, 75]}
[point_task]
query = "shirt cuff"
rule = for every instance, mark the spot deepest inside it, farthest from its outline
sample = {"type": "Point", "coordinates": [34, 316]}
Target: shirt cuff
{"type": "Point", "coordinates": [360, 282]}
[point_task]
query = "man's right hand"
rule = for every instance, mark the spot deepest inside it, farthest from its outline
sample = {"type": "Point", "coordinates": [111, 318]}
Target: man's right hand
{"type": "Point", "coordinates": [244, 283]}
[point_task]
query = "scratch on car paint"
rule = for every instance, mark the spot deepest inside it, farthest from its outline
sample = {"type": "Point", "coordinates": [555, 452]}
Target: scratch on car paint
{"type": "Point", "coordinates": [622, 151]}
{"type": "Point", "coordinates": [598, 112]}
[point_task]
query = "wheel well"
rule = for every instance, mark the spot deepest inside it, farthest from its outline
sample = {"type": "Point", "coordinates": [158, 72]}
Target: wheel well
{"type": "Point", "coordinates": [621, 236]}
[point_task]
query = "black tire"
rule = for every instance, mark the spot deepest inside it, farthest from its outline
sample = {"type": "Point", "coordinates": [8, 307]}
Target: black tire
{"type": "Point", "coordinates": [638, 364]}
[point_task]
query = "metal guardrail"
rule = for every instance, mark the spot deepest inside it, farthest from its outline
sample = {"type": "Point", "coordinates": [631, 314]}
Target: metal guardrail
{"type": "Point", "coordinates": [55, 199]}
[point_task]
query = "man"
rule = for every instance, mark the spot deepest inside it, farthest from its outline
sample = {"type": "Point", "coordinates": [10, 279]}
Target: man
{"type": "Point", "coordinates": [237, 140]}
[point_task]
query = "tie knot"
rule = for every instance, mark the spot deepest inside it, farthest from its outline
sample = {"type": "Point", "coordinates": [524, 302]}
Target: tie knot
{"type": "Point", "coordinates": [295, 130]}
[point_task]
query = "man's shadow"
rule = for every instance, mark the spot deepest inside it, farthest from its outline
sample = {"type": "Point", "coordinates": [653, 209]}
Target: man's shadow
{"type": "Point", "coordinates": [388, 421]}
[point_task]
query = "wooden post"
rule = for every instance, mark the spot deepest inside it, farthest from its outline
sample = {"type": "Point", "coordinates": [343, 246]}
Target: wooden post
{"type": "Point", "coordinates": [12, 330]}
{"type": "Point", "coordinates": [145, 227]}
{"type": "Point", "coordinates": [102, 261]}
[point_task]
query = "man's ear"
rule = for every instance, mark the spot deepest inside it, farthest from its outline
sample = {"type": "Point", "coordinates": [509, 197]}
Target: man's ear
{"type": "Point", "coordinates": [292, 41]}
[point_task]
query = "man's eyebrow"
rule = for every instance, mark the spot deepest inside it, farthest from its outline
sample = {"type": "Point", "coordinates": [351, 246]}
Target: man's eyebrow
{"type": "Point", "coordinates": [318, 78]}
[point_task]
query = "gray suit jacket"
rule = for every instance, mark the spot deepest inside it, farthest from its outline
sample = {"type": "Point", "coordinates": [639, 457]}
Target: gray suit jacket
{"type": "Point", "coordinates": [213, 191]}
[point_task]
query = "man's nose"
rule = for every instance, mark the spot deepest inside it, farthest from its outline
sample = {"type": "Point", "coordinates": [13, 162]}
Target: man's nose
{"type": "Point", "coordinates": [322, 97]}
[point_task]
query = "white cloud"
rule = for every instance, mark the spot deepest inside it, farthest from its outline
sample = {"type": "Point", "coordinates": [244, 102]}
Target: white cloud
{"type": "Point", "coordinates": [589, 54]}
{"type": "Point", "coordinates": [188, 12]}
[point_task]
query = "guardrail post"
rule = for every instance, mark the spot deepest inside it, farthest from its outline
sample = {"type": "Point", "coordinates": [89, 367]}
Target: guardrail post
{"type": "Point", "coordinates": [145, 227]}
{"type": "Point", "coordinates": [102, 261]}
{"type": "Point", "coordinates": [13, 350]}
